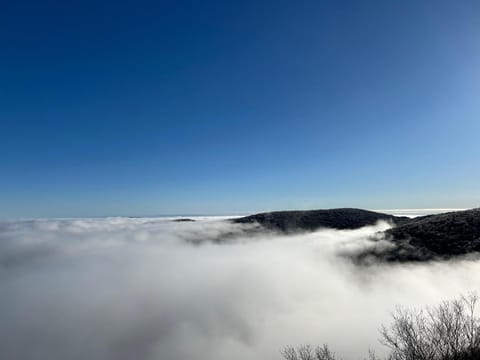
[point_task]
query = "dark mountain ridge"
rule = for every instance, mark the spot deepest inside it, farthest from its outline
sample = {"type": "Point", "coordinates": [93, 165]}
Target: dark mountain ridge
{"type": "Point", "coordinates": [436, 236]}
{"type": "Point", "coordinates": [423, 238]}
{"type": "Point", "coordinates": [310, 220]}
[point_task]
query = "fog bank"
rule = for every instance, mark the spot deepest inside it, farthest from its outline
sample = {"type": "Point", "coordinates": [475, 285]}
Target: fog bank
{"type": "Point", "coordinates": [150, 288]}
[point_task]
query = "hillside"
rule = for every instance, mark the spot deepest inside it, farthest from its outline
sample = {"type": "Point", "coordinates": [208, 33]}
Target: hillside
{"type": "Point", "coordinates": [309, 220]}
{"type": "Point", "coordinates": [442, 235]}
{"type": "Point", "coordinates": [423, 238]}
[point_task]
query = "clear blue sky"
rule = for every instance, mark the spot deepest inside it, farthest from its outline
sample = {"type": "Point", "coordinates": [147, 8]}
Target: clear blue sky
{"type": "Point", "coordinates": [169, 107]}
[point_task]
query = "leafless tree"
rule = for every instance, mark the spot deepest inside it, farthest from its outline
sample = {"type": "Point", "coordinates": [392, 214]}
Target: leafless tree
{"type": "Point", "coordinates": [449, 331]}
{"type": "Point", "coordinates": [306, 352]}
{"type": "Point", "coordinates": [289, 353]}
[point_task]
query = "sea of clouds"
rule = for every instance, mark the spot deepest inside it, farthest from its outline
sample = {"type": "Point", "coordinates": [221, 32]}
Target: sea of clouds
{"type": "Point", "coordinates": [151, 288]}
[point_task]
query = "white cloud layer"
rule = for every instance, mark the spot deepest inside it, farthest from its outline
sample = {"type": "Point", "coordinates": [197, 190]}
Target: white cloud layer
{"type": "Point", "coordinates": [139, 288]}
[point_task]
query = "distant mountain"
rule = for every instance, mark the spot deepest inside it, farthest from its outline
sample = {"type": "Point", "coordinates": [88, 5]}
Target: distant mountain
{"type": "Point", "coordinates": [309, 220]}
{"type": "Point", "coordinates": [440, 236]}
{"type": "Point", "coordinates": [436, 236]}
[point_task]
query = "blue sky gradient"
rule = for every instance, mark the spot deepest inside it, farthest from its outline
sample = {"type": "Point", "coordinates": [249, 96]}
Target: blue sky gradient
{"type": "Point", "coordinates": [214, 107]}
